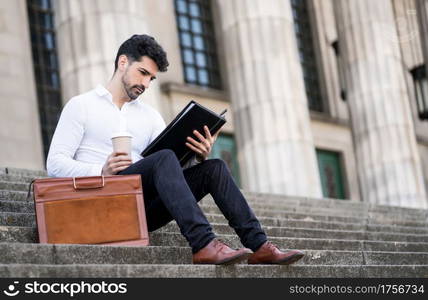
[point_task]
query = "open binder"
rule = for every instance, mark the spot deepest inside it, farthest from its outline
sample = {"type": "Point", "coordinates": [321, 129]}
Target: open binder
{"type": "Point", "coordinates": [193, 117]}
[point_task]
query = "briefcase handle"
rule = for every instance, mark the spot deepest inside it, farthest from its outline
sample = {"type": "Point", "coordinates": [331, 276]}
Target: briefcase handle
{"type": "Point", "coordinates": [88, 187]}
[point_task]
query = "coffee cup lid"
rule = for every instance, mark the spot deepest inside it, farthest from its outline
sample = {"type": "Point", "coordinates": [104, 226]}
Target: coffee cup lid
{"type": "Point", "coordinates": [121, 133]}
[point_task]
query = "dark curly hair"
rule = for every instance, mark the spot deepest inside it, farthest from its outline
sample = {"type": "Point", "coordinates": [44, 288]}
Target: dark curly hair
{"type": "Point", "coordinates": [140, 45]}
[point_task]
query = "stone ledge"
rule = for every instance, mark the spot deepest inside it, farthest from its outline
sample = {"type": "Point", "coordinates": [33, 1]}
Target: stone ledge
{"type": "Point", "coordinates": [195, 90]}
{"type": "Point", "coordinates": [327, 118]}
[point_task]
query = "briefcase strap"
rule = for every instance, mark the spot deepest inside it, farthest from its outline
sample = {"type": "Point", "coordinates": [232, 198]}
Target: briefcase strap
{"type": "Point", "coordinates": [29, 189]}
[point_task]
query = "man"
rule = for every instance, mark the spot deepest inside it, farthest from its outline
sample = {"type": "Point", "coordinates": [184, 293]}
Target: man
{"type": "Point", "coordinates": [81, 146]}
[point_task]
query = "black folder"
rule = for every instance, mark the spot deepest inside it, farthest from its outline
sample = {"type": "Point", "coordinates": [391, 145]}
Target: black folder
{"type": "Point", "coordinates": [193, 117]}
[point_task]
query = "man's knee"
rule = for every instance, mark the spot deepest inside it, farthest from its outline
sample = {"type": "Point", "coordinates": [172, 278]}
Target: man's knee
{"type": "Point", "coordinates": [216, 164]}
{"type": "Point", "coordinates": [166, 154]}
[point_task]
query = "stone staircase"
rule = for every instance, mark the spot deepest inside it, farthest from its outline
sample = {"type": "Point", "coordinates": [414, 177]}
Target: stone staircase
{"type": "Point", "coordinates": [340, 238]}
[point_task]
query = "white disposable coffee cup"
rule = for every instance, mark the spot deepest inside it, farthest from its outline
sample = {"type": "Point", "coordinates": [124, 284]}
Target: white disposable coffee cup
{"type": "Point", "coordinates": [122, 142]}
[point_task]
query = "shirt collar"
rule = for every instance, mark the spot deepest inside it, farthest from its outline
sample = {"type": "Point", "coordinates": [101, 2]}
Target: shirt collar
{"type": "Point", "coordinates": [103, 92]}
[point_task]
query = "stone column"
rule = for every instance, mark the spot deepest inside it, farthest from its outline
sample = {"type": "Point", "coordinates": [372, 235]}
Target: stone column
{"type": "Point", "coordinates": [387, 158]}
{"type": "Point", "coordinates": [422, 14]}
{"type": "Point", "coordinates": [275, 145]}
{"type": "Point", "coordinates": [89, 34]}
{"type": "Point", "coordinates": [20, 134]}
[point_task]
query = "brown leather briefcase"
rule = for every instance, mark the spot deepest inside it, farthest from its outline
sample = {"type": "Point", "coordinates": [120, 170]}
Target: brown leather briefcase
{"type": "Point", "coordinates": [105, 210]}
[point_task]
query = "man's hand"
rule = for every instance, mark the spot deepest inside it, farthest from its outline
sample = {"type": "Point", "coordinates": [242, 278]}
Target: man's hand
{"type": "Point", "coordinates": [204, 146]}
{"type": "Point", "coordinates": [116, 162]}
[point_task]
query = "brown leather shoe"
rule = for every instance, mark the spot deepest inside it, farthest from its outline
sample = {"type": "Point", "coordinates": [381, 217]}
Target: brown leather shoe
{"type": "Point", "coordinates": [218, 253]}
{"type": "Point", "coordinates": [268, 253]}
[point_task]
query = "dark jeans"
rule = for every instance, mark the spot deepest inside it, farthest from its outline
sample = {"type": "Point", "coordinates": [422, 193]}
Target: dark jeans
{"type": "Point", "coordinates": [171, 193]}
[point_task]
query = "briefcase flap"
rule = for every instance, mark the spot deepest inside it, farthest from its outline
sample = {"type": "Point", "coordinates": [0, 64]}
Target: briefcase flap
{"type": "Point", "coordinates": [65, 188]}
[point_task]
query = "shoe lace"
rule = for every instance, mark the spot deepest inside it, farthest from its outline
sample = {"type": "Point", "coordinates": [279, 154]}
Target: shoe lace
{"type": "Point", "coordinates": [220, 244]}
{"type": "Point", "coordinates": [271, 246]}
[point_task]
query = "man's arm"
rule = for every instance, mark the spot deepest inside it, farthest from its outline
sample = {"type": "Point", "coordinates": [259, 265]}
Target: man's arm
{"type": "Point", "coordinates": [65, 142]}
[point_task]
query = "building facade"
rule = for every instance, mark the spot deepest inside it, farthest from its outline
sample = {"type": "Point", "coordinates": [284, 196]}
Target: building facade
{"type": "Point", "coordinates": [325, 98]}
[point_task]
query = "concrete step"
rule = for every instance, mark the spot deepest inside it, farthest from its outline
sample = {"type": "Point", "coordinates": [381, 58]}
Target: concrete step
{"type": "Point", "coordinates": [168, 238]}
{"type": "Point", "coordinates": [317, 233]}
{"type": "Point", "coordinates": [22, 172]}
{"type": "Point", "coordinates": [17, 219]}
{"type": "Point", "coordinates": [283, 222]}
{"type": "Point", "coordinates": [370, 219]}
{"type": "Point", "coordinates": [14, 195]}
{"type": "Point", "coordinates": [26, 219]}
{"type": "Point", "coordinates": [326, 203]}
{"type": "Point", "coordinates": [19, 178]}
{"type": "Point", "coordinates": [308, 204]}
{"type": "Point", "coordinates": [24, 253]}
{"type": "Point", "coordinates": [210, 271]}
{"type": "Point", "coordinates": [340, 210]}
{"type": "Point", "coordinates": [17, 206]}
{"type": "Point", "coordinates": [328, 206]}
{"type": "Point", "coordinates": [18, 253]}
{"type": "Point", "coordinates": [14, 186]}
{"type": "Point", "coordinates": [159, 238]}
{"type": "Point", "coordinates": [18, 234]}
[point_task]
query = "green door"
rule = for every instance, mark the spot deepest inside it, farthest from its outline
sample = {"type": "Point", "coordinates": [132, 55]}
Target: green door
{"type": "Point", "coordinates": [329, 164]}
{"type": "Point", "coordinates": [225, 149]}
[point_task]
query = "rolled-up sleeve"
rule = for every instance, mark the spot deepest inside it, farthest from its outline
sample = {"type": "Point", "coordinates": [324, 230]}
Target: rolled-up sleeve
{"type": "Point", "coordinates": [65, 142]}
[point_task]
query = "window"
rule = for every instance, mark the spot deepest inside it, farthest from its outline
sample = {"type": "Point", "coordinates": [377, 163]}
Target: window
{"type": "Point", "coordinates": [330, 169]}
{"type": "Point", "coordinates": [197, 43]}
{"type": "Point", "coordinates": [46, 68]}
{"type": "Point", "coordinates": [421, 90]}
{"type": "Point", "coordinates": [225, 149]}
{"type": "Point", "coordinates": [303, 31]}
{"type": "Point", "coordinates": [340, 72]}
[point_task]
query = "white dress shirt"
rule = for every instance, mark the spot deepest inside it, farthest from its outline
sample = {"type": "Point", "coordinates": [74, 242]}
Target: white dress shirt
{"type": "Point", "coordinates": [82, 139]}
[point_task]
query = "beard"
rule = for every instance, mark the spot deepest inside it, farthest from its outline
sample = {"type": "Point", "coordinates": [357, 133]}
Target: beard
{"type": "Point", "coordinates": [133, 91]}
